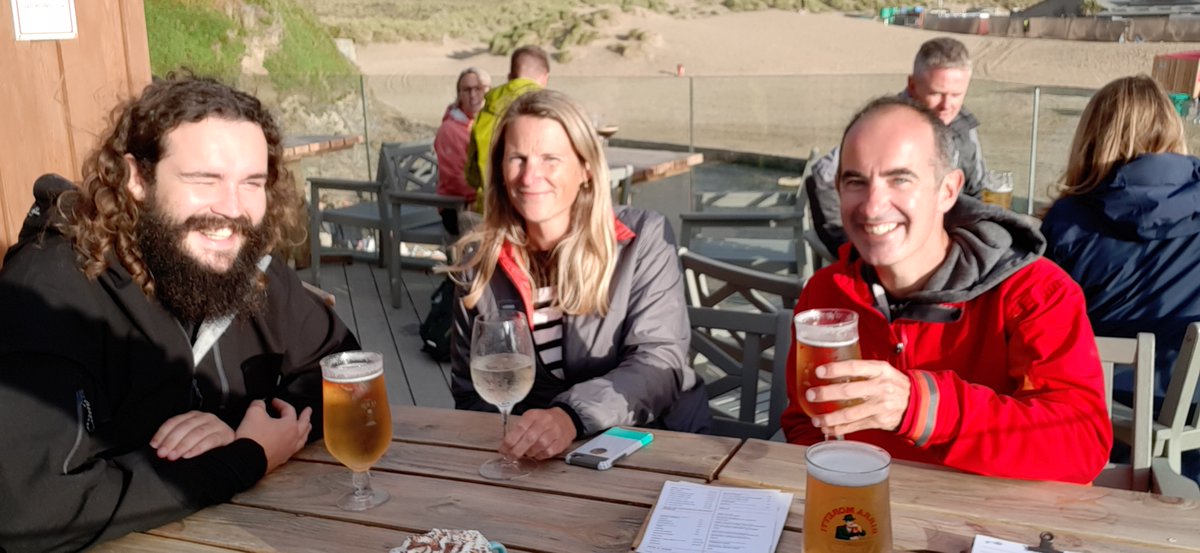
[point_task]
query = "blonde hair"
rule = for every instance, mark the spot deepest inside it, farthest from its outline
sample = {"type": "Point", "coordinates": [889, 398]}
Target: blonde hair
{"type": "Point", "coordinates": [1129, 117]}
{"type": "Point", "coordinates": [585, 259]}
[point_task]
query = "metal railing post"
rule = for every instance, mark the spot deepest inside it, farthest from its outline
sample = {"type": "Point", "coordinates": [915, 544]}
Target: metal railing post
{"type": "Point", "coordinates": [362, 92]}
{"type": "Point", "coordinates": [1033, 140]}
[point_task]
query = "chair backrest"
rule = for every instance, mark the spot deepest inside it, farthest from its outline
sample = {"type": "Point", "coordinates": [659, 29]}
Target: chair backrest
{"type": "Point", "coordinates": [1132, 427]}
{"type": "Point", "coordinates": [408, 167]}
{"type": "Point", "coordinates": [741, 377]}
{"type": "Point", "coordinates": [1181, 395]}
{"type": "Point", "coordinates": [712, 283]}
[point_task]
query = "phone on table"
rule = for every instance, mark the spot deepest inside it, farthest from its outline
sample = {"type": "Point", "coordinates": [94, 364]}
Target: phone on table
{"type": "Point", "coordinates": [609, 447]}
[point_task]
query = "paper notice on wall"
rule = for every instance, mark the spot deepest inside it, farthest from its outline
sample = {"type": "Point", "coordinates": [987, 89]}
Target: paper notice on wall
{"type": "Point", "coordinates": [44, 19]}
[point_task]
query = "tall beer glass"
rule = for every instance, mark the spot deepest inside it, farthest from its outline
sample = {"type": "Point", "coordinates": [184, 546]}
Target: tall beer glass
{"type": "Point", "coordinates": [846, 503]}
{"type": "Point", "coordinates": [358, 421]}
{"type": "Point", "coordinates": [823, 336]}
{"type": "Point", "coordinates": [502, 372]}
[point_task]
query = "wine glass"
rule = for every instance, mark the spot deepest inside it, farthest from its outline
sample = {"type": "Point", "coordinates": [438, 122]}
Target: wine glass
{"type": "Point", "coordinates": [502, 372]}
{"type": "Point", "coordinates": [358, 421]}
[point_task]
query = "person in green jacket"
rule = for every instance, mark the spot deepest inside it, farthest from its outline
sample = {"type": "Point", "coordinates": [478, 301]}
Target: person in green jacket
{"type": "Point", "coordinates": [528, 71]}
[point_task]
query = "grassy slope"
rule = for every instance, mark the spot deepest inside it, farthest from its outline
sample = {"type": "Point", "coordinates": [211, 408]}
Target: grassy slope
{"type": "Point", "coordinates": [195, 34]}
{"type": "Point", "coordinates": [191, 34]}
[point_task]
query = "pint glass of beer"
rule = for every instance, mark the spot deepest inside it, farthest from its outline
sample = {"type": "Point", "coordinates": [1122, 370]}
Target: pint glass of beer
{"type": "Point", "coordinates": [823, 336]}
{"type": "Point", "coordinates": [846, 503]}
{"type": "Point", "coordinates": [358, 421]}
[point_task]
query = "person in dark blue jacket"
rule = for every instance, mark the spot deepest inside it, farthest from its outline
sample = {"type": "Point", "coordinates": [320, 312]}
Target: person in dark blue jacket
{"type": "Point", "coordinates": [1127, 223]}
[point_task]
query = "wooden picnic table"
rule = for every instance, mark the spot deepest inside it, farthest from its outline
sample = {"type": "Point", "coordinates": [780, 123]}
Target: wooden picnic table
{"type": "Point", "coordinates": [302, 146]}
{"type": "Point", "coordinates": [652, 165]}
{"type": "Point", "coordinates": [431, 472]}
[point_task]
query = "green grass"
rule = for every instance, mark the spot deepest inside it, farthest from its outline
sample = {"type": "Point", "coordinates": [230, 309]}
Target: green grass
{"type": "Point", "coordinates": [306, 56]}
{"type": "Point", "coordinates": [189, 33]}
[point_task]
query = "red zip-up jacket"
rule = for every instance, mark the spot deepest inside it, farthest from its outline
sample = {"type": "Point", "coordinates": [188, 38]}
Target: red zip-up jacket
{"type": "Point", "coordinates": [1013, 388]}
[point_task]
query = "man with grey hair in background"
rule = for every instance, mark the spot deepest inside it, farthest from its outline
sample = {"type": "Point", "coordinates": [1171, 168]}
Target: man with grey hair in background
{"type": "Point", "coordinates": [939, 81]}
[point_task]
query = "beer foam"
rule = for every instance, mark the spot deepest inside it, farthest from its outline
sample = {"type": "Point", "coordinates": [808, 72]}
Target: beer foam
{"type": "Point", "coordinates": [810, 341]}
{"type": "Point", "coordinates": [848, 464]}
{"type": "Point", "coordinates": [351, 366]}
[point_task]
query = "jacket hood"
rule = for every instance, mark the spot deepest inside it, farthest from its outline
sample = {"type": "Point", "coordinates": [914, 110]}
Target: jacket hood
{"type": "Point", "coordinates": [1153, 197]}
{"type": "Point", "coordinates": [987, 245]}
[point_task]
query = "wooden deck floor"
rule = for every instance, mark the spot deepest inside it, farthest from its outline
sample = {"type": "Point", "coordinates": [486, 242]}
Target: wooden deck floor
{"type": "Point", "coordinates": [364, 303]}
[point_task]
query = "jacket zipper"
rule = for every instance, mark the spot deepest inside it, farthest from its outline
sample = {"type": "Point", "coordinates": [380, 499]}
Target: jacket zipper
{"type": "Point", "coordinates": [84, 423]}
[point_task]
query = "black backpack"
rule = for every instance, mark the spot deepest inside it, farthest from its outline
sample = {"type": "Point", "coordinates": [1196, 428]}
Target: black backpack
{"type": "Point", "coordinates": [437, 326]}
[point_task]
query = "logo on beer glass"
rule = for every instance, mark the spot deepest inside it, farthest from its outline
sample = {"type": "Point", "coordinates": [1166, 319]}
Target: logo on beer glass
{"type": "Point", "coordinates": [846, 500]}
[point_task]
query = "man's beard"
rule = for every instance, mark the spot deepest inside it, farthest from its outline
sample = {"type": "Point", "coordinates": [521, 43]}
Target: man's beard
{"type": "Point", "coordinates": [185, 287]}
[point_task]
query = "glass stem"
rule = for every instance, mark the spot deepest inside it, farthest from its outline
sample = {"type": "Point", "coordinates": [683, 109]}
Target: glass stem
{"type": "Point", "coordinates": [362, 484]}
{"type": "Point", "coordinates": [504, 429]}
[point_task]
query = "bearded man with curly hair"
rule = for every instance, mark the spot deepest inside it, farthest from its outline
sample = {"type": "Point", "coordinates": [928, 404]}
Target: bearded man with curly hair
{"type": "Point", "coordinates": [154, 357]}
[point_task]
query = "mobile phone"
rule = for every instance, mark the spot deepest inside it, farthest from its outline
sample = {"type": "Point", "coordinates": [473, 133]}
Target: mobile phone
{"type": "Point", "coordinates": [605, 449]}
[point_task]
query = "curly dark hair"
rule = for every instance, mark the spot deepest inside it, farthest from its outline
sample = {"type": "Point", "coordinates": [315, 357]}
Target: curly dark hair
{"type": "Point", "coordinates": [102, 214]}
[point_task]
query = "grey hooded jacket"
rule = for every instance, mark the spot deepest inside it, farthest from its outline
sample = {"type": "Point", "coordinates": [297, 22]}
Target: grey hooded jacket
{"type": "Point", "coordinates": [629, 367]}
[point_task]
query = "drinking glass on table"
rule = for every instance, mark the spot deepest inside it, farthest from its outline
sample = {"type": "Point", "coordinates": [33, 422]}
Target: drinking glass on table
{"type": "Point", "coordinates": [847, 507]}
{"type": "Point", "coordinates": [358, 421]}
{"type": "Point", "coordinates": [502, 373]}
{"type": "Point", "coordinates": [824, 336]}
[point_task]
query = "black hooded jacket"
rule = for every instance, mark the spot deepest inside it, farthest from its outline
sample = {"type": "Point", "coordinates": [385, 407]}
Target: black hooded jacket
{"type": "Point", "coordinates": [90, 369]}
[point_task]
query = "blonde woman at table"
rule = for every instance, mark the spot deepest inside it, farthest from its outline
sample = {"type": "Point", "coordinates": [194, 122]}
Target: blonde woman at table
{"type": "Point", "coordinates": [1126, 226]}
{"type": "Point", "coordinates": [603, 290]}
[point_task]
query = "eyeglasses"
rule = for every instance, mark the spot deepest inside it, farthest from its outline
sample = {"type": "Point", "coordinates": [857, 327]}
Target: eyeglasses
{"type": "Point", "coordinates": [480, 88]}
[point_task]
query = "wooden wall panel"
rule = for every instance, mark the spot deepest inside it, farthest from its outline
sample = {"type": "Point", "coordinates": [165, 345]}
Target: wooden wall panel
{"type": "Point", "coordinates": [56, 95]}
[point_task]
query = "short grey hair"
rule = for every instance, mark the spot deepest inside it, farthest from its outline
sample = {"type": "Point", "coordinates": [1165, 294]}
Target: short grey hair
{"type": "Point", "coordinates": [941, 53]}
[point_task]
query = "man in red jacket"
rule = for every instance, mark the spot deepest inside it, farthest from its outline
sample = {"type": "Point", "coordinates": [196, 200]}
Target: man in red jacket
{"type": "Point", "coordinates": [977, 353]}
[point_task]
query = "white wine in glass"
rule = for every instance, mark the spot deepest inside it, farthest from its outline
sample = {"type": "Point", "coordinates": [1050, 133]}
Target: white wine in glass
{"type": "Point", "coordinates": [502, 373]}
{"type": "Point", "coordinates": [358, 420]}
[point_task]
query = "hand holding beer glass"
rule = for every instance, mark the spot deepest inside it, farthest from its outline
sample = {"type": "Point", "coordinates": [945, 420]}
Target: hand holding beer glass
{"type": "Point", "coordinates": [502, 373]}
{"type": "Point", "coordinates": [824, 336]}
{"type": "Point", "coordinates": [358, 420]}
{"type": "Point", "coordinates": [847, 507]}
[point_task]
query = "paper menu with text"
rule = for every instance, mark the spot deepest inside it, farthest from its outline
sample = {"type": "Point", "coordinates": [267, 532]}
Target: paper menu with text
{"type": "Point", "coordinates": [696, 518]}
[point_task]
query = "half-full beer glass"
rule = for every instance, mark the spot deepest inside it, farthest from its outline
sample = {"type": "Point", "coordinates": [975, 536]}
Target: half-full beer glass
{"type": "Point", "coordinates": [823, 336]}
{"type": "Point", "coordinates": [846, 503]}
{"type": "Point", "coordinates": [358, 421]}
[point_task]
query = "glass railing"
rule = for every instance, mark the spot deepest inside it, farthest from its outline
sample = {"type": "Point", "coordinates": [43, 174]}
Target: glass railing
{"type": "Point", "coordinates": [783, 116]}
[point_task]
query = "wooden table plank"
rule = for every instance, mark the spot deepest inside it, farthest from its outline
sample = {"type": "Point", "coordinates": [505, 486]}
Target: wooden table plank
{"type": "Point", "coordinates": [621, 485]}
{"type": "Point", "coordinates": [1085, 518]}
{"type": "Point", "coordinates": [145, 543]}
{"type": "Point", "coordinates": [523, 519]}
{"type": "Point", "coordinates": [253, 529]}
{"type": "Point", "coordinates": [265, 530]}
{"type": "Point", "coordinates": [675, 453]}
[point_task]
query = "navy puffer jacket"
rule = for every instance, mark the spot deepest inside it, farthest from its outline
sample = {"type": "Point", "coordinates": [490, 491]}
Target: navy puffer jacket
{"type": "Point", "coordinates": [1133, 244]}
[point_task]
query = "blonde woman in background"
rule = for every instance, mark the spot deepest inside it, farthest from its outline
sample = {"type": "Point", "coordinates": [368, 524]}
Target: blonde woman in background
{"type": "Point", "coordinates": [1126, 225]}
{"type": "Point", "coordinates": [603, 290]}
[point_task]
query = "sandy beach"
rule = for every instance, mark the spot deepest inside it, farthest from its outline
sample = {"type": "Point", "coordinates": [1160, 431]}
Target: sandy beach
{"type": "Point", "coordinates": [787, 43]}
{"type": "Point", "coordinates": [783, 82]}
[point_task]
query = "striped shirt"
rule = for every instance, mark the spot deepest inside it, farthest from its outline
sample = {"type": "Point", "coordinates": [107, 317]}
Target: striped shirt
{"type": "Point", "coordinates": [548, 330]}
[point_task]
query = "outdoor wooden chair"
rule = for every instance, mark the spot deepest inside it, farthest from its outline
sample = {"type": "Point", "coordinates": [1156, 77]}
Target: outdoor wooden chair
{"type": "Point", "coordinates": [735, 227]}
{"type": "Point", "coordinates": [403, 168]}
{"type": "Point", "coordinates": [1132, 424]}
{"type": "Point", "coordinates": [760, 334]}
{"type": "Point", "coordinates": [740, 337]}
{"type": "Point", "coordinates": [1175, 431]}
